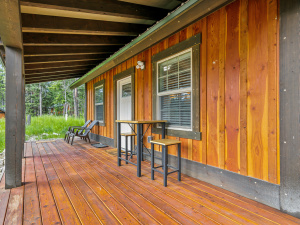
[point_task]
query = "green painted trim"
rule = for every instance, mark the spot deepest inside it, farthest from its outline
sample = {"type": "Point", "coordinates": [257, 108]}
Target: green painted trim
{"type": "Point", "coordinates": [143, 36]}
{"type": "Point", "coordinates": [101, 82]}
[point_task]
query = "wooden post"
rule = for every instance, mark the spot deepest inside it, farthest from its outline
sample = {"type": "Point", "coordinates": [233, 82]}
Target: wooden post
{"type": "Point", "coordinates": [14, 129]}
{"type": "Point", "coordinates": [289, 107]}
{"type": "Point", "coordinates": [85, 102]}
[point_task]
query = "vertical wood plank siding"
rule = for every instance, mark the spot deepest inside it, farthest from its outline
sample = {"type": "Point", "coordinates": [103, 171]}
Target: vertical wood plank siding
{"type": "Point", "coordinates": [238, 89]}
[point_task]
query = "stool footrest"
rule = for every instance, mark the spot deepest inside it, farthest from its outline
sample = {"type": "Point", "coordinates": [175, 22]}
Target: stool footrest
{"type": "Point", "coordinates": [157, 167]}
{"type": "Point", "coordinates": [128, 161]}
{"type": "Point", "coordinates": [174, 171]}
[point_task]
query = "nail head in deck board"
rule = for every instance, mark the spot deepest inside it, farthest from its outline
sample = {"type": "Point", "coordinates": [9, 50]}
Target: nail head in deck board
{"type": "Point", "coordinates": [14, 144]}
{"type": "Point", "coordinates": [101, 7]}
{"type": "Point", "coordinates": [53, 24]}
{"type": "Point", "coordinates": [74, 39]}
{"type": "Point", "coordinates": [289, 106]}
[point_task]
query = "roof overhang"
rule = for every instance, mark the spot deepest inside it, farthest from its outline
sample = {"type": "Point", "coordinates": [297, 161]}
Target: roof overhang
{"type": "Point", "coordinates": [183, 16]}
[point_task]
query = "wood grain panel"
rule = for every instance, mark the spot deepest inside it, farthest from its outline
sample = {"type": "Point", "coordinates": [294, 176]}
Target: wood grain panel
{"type": "Point", "coordinates": [213, 101]}
{"type": "Point", "coordinates": [257, 103]}
{"type": "Point", "coordinates": [232, 94]}
{"type": "Point", "coordinates": [243, 49]}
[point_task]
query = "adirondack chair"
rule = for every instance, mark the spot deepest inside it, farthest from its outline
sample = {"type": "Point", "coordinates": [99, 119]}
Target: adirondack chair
{"type": "Point", "coordinates": [73, 128]}
{"type": "Point", "coordinates": [83, 133]}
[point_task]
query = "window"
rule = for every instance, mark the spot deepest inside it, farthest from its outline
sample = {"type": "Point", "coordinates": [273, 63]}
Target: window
{"type": "Point", "coordinates": [99, 101]}
{"type": "Point", "coordinates": [176, 89]}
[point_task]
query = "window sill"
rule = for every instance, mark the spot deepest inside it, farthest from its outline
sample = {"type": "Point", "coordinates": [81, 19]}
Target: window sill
{"type": "Point", "coordinates": [180, 133]}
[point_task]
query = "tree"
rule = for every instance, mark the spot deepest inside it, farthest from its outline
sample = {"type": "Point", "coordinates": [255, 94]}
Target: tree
{"type": "Point", "coordinates": [54, 95]}
{"type": "Point", "coordinates": [2, 85]}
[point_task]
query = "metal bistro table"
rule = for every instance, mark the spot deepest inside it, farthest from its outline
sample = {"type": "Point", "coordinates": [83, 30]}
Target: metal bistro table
{"type": "Point", "coordinates": [140, 135]}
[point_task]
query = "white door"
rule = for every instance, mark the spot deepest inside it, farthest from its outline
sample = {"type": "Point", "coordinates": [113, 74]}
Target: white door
{"type": "Point", "coordinates": [124, 107]}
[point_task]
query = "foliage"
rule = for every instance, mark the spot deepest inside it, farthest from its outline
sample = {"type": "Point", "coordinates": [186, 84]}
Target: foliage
{"type": "Point", "coordinates": [43, 127]}
{"type": "Point", "coordinates": [46, 127]}
{"type": "Point", "coordinates": [2, 86]}
{"type": "Point", "coordinates": [54, 95]}
{"type": "Point", "coordinates": [2, 134]}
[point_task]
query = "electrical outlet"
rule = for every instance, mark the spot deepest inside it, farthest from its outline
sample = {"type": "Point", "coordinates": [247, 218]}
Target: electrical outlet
{"type": "Point", "coordinates": [149, 138]}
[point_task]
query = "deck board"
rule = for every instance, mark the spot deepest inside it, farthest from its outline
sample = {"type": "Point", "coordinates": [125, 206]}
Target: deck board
{"type": "Point", "coordinates": [80, 184]}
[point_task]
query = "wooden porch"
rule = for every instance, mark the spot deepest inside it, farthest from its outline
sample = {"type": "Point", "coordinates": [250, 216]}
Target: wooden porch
{"type": "Point", "coordinates": [80, 184]}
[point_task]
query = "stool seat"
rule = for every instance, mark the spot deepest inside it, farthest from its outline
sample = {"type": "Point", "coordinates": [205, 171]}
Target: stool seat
{"type": "Point", "coordinates": [165, 142]}
{"type": "Point", "coordinates": [128, 134]}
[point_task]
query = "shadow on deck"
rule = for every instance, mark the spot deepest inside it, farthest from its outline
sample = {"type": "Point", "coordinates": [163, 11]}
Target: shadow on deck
{"type": "Point", "coordinates": [80, 184]}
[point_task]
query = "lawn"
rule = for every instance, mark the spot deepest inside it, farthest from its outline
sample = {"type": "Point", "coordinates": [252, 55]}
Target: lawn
{"type": "Point", "coordinates": [43, 127]}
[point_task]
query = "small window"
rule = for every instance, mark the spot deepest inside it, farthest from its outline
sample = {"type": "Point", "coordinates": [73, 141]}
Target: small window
{"type": "Point", "coordinates": [99, 101]}
{"type": "Point", "coordinates": [174, 90]}
{"type": "Point", "coordinates": [126, 90]}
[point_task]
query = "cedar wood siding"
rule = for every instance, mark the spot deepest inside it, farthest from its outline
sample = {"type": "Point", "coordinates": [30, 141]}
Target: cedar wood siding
{"type": "Point", "coordinates": [239, 97]}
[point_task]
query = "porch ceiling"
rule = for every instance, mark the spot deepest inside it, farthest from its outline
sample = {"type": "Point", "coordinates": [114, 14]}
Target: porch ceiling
{"type": "Point", "coordinates": [64, 39]}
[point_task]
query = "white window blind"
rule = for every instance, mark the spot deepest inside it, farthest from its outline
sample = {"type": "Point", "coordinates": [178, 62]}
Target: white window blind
{"type": "Point", "coordinates": [99, 103]}
{"type": "Point", "coordinates": [174, 90]}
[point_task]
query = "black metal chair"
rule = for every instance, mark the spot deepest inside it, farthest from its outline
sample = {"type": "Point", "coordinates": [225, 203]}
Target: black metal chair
{"type": "Point", "coordinates": [83, 133]}
{"type": "Point", "coordinates": [73, 128]}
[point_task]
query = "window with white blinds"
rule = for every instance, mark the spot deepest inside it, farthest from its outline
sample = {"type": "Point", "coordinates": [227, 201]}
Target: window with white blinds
{"type": "Point", "coordinates": [174, 89]}
{"type": "Point", "coordinates": [99, 108]}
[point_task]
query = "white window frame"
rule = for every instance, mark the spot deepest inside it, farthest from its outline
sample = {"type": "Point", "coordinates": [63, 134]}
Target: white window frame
{"type": "Point", "coordinates": [177, 91]}
{"type": "Point", "coordinates": [96, 104]}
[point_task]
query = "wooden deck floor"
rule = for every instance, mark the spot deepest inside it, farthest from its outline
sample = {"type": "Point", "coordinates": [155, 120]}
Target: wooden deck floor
{"type": "Point", "coordinates": [79, 184]}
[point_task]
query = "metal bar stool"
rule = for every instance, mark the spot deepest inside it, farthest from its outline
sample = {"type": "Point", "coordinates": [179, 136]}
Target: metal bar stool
{"type": "Point", "coordinates": [128, 152]}
{"type": "Point", "coordinates": [165, 143]}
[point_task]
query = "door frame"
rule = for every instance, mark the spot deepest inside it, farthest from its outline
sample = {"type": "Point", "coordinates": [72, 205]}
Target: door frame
{"type": "Point", "coordinates": [116, 78]}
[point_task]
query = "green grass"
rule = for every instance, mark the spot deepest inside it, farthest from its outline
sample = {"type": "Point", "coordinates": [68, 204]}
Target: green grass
{"type": "Point", "coordinates": [44, 127]}
{"type": "Point", "coordinates": [2, 135]}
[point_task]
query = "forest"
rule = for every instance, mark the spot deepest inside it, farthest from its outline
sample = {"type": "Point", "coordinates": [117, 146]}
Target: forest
{"type": "Point", "coordinates": [49, 98]}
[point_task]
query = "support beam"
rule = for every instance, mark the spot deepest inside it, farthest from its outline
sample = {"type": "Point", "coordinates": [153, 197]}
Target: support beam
{"type": "Point", "coordinates": [60, 69]}
{"type": "Point", "coordinates": [289, 106]}
{"type": "Point", "coordinates": [51, 79]}
{"type": "Point", "coordinates": [63, 25]}
{"type": "Point", "coordinates": [14, 130]}
{"type": "Point", "coordinates": [60, 58]}
{"type": "Point", "coordinates": [63, 61]}
{"type": "Point", "coordinates": [10, 23]}
{"type": "Point", "coordinates": [43, 76]}
{"type": "Point", "coordinates": [36, 39]}
{"type": "Point", "coordinates": [67, 50]}
{"type": "Point", "coordinates": [60, 64]}
{"type": "Point", "coordinates": [100, 7]}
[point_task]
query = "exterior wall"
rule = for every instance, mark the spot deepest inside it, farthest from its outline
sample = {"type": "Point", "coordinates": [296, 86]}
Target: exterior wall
{"type": "Point", "coordinates": [239, 103]}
